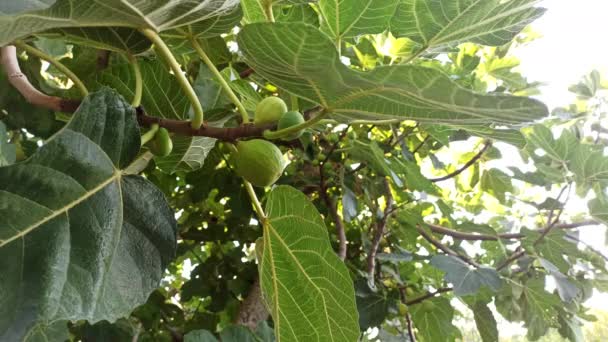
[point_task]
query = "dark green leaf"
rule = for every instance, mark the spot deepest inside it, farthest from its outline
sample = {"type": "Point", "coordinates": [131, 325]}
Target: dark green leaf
{"type": "Point", "coordinates": [78, 239]}
{"type": "Point", "coordinates": [372, 306]}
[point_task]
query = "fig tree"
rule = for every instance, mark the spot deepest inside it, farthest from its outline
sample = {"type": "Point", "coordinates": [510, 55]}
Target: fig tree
{"type": "Point", "coordinates": [290, 119]}
{"type": "Point", "coordinates": [161, 145]}
{"type": "Point", "coordinates": [269, 110]}
{"type": "Point", "coordinates": [258, 161]}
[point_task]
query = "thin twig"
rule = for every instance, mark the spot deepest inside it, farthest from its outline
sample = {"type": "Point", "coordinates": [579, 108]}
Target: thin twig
{"type": "Point", "coordinates": [330, 202]}
{"type": "Point", "coordinates": [408, 317]}
{"type": "Point", "coordinates": [472, 161]}
{"type": "Point", "coordinates": [421, 144]}
{"type": "Point", "coordinates": [551, 224]}
{"type": "Point", "coordinates": [428, 295]}
{"type": "Point", "coordinates": [379, 232]}
{"type": "Point", "coordinates": [588, 246]}
{"type": "Point", "coordinates": [447, 250]}
{"type": "Point", "coordinates": [506, 236]}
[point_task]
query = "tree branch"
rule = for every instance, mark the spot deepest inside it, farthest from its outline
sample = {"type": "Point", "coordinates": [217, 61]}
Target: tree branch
{"type": "Point", "coordinates": [520, 252]}
{"type": "Point", "coordinates": [447, 250]}
{"type": "Point", "coordinates": [379, 232]}
{"type": "Point", "coordinates": [32, 95]}
{"type": "Point", "coordinates": [428, 295]}
{"type": "Point", "coordinates": [329, 202]}
{"type": "Point", "coordinates": [252, 310]}
{"type": "Point", "coordinates": [468, 164]}
{"type": "Point", "coordinates": [506, 236]}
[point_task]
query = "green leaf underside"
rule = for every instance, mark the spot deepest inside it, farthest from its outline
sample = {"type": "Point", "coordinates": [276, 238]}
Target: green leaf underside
{"type": "Point", "coordinates": [159, 15]}
{"type": "Point", "coordinates": [435, 324]}
{"type": "Point", "coordinates": [435, 23]}
{"type": "Point", "coordinates": [162, 97]}
{"type": "Point", "coordinates": [349, 18]}
{"type": "Point", "coordinates": [77, 239]}
{"type": "Point", "coordinates": [302, 60]}
{"type": "Point", "coordinates": [466, 280]}
{"type": "Point", "coordinates": [306, 286]}
{"type": "Point", "coordinates": [118, 39]}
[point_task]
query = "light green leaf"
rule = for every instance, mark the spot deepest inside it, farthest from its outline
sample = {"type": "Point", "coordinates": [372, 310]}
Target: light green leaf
{"type": "Point", "coordinates": [119, 39]}
{"type": "Point", "coordinates": [433, 319]}
{"type": "Point", "coordinates": [253, 11]}
{"type": "Point", "coordinates": [8, 152]}
{"type": "Point", "coordinates": [78, 238]}
{"type": "Point", "coordinates": [599, 210]}
{"type": "Point", "coordinates": [162, 97]}
{"type": "Point", "coordinates": [298, 13]}
{"type": "Point", "coordinates": [158, 15]}
{"type": "Point", "coordinates": [466, 279]}
{"type": "Point", "coordinates": [496, 183]}
{"type": "Point", "coordinates": [565, 288]}
{"type": "Point", "coordinates": [349, 18]}
{"type": "Point", "coordinates": [438, 23]}
{"type": "Point", "coordinates": [539, 308]}
{"type": "Point", "coordinates": [13, 7]}
{"type": "Point", "coordinates": [485, 322]}
{"type": "Point", "coordinates": [307, 287]}
{"type": "Point", "coordinates": [553, 247]}
{"type": "Point", "coordinates": [302, 60]}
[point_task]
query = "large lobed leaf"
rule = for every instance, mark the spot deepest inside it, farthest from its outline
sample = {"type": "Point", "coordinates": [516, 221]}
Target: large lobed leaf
{"type": "Point", "coordinates": [306, 286]}
{"type": "Point", "coordinates": [159, 15]}
{"type": "Point", "coordinates": [349, 18]}
{"type": "Point", "coordinates": [466, 279]}
{"type": "Point", "coordinates": [437, 23]}
{"type": "Point", "coordinates": [78, 239]}
{"type": "Point", "coordinates": [302, 60]}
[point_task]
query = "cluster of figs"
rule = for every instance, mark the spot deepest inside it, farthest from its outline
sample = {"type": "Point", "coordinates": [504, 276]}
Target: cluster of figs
{"type": "Point", "coordinates": [258, 161]}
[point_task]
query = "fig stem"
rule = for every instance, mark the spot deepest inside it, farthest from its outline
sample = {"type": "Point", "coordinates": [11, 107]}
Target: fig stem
{"type": "Point", "coordinates": [294, 129]}
{"type": "Point", "coordinates": [267, 5]}
{"type": "Point", "coordinates": [139, 84]}
{"type": "Point", "coordinates": [201, 53]}
{"type": "Point", "coordinates": [149, 135]}
{"type": "Point", "coordinates": [65, 70]}
{"type": "Point", "coordinates": [163, 50]}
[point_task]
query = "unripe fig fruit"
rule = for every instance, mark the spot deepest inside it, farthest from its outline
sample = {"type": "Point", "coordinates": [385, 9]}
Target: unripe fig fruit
{"type": "Point", "coordinates": [403, 309]}
{"type": "Point", "coordinates": [269, 110]}
{"type": "Point", "coordinates": [290, 119]}
{"type": "Point", "coordinates": [259, 161]}
{"type": "Point", "coordinates": [161, 145]}
{"type": "Point", "coordinates": [409, 292]}
{"type": "Point", "coordinates": [428, 306]}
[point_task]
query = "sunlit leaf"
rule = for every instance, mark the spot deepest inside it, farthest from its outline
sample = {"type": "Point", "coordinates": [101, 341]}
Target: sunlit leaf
{"type": "Point", "coordinates": [307, 287]}
{"type": "Point", "coordinates": [302, 60]}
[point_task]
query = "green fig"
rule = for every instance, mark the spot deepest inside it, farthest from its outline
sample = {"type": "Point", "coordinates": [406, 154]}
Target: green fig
{"type": "Point", "coordinates": [290, 119]}
{"type": "Point", "coordinates": [269, 110]}
{"type": "Point", "coordinates": [259, 161]}
{"type": "Point", "coordinates": [161, 145]}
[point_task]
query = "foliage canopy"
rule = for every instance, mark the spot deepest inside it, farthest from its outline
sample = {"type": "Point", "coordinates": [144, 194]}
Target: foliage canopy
{"type": "Point", "coordinates": [424, 180]}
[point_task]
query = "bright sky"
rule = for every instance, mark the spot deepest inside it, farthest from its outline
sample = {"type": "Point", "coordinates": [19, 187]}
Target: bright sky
{"type": "Point", "coordinates": [573, 43]}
